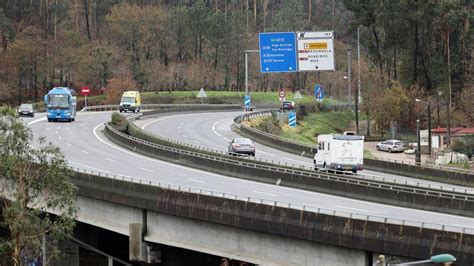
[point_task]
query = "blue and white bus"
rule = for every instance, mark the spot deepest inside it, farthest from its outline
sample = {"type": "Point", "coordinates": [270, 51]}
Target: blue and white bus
{"type": "Point", "coordinates": [60, 104]}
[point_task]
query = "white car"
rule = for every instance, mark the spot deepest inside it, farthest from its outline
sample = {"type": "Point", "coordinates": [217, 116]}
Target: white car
{"type": "Point", "coordinates": [391, 145]}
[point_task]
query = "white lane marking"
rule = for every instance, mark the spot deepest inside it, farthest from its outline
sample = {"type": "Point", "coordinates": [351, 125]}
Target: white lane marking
{"type": "Point", "coordinates": [149, 123]}
{"type": "Point", "coordinates": [195, 180]}
{"type": "Point", "coordinates": [158, 161]}
{"type": "Point", "coordinates": [226, 139]}
{"type": "Point", "coordinates": [89, 167]}
{"type": "Point", "coordinates": [288, 190]}
{"type": "Point", "coordinates": [69, 144]}
{"type": "Point", "coordinates": [264, 193]}
{"type": "Point", "coordinates": [83, 124]}
{"type": "Point", "coordinates": [148, 170]}
{"type": "Point", "coordinates": [85, 152]}
{"type": "Point", "coordinates": [179, 127]}
{"type": "Point", "coordinates": [350, 208]}
{"type": "Point", "coordinates": [267, 153]}
{"type": "Point", "coordinates": [57, 132]}
{"type": "Point", "coordinates": [214, 127]}
{"type": "Point", "coordinates": [36, 121]}
{"type": "Point", "coordinates": [158, 119]}
{"type": "Point", "coordinates": [110, 160]}
{"type": "Point", "coordinates": [60, 137]}
{"type": "Point", "coordinates": [185, 136]}
{"type": "Point", "coordinates": [197, 141]}
{"type": "Point", "coordinates": [58, 128]}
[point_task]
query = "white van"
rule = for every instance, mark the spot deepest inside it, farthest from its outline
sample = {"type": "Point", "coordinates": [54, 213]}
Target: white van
{"type": "Point", "coordinates": [340, 152]}
{"type": "Point", "coordinates": [131, 101]}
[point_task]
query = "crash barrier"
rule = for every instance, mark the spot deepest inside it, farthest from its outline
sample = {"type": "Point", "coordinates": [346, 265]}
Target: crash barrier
{"type": "Point", "coordinates": [115, 107]}
{"type": "Point", "coordinates": [368, 190]}
{"type": "Point", "coordinates": [137, 132]}
{"type": "Point", "coordinates": [352, 230]}
{"type": "Point", "coordinates": [464, 178]}
{"type": "Point", "coordinates": [268, 139]}
{"type": "Point", "coordinates": [446, 175]}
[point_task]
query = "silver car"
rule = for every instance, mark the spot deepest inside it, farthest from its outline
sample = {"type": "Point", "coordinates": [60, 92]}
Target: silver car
{"type": "Point", "coordinates": [391, 145]}
{"type": "Point", "coordinates": [26, 109]}
{"type": "Point", "coordinates": [241, 146]}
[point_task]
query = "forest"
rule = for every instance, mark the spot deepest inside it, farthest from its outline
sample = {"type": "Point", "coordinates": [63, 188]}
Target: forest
{"type": "Point", "coordinates": [408, 49]}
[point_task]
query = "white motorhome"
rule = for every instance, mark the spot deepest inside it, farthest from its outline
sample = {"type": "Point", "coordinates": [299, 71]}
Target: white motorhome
{"type": "Point", "coordinates": [340, 152]}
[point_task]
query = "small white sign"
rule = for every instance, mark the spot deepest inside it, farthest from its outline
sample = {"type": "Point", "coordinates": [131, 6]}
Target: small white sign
{"type": "Point", "coordinates": [315, 51]}
{"type": "Point", "coordinates": [202, 94]}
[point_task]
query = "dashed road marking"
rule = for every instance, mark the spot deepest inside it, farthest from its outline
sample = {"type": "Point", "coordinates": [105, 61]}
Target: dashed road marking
{"type": "Point", "coordinates": [148, 170]}
{"type": "Point", "coordinates": [85, 152]}
{"type": "Point", "coordinates": [111, 160]}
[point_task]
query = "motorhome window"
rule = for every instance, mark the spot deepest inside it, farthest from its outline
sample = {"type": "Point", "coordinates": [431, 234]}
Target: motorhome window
{"type": "Point", "coordinates": [58, 100]}
{"type": "Point", "coordinates": [329, 146]}
{"type": "Point", "coordinates": [319, 146]}
{"type": "Point", "coordinates": [323, 145]}
{"type": "Point", "coordinates": [127, 99]}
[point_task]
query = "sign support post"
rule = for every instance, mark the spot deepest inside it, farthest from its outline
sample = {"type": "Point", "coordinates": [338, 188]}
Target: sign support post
{"type": "Point", "coordinates": [247, 69]}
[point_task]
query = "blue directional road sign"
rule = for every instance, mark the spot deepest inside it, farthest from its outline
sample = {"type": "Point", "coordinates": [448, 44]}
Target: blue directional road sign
{"type": "Point", "coordinates": [247, 102]}
{"type": "Point", "coordinates": [292, 119]}
{"type": "Point", "coordinates": [318, 93]}
{"type": "Point", "coordinates": [277, 52]}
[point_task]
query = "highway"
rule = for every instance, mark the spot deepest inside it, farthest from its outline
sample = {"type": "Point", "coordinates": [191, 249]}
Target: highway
{"type": "Point", "coordinates": [212, 130]}
{"type": "Point", "coordinates": [85, 147]}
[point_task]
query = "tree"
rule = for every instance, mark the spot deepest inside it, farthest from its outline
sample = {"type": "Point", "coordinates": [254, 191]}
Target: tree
{"type": "Point", "coordinates": [137, 30]}
{"type": "Point", "coordinates": [34, 181]}
{"type": "Point", "coordinates": [464, 145]}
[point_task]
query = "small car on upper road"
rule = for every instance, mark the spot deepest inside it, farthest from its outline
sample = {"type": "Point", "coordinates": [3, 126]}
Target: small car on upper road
{"type": "Point", "coordinates": [287, 106]}
{"type": "Point", "coordinates": [26, 109]}
{"type": "Point", "coordinates": [391, 145]}
{"type": "Point", "coordinates": [241, 146]}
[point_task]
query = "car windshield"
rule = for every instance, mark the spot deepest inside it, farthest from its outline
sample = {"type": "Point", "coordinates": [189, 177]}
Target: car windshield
{"type": "Point", "coordinates": [58, 100]}
{"type": "Point", "coordinates": [26, 106]}
{"type": "Point", "coordinates": [127, 99]}
{"type": "Point", "coordinates": [243, 141]}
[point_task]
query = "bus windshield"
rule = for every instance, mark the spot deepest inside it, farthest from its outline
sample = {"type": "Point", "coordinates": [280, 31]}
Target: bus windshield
{"type": "Point", "coordinates": [58, 101]}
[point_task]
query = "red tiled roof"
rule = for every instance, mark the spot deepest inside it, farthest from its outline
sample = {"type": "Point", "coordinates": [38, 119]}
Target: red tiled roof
{"type": "Point", "coordinates": [465, 131]}
{"type": "Point", "coordinates": [444, 130]}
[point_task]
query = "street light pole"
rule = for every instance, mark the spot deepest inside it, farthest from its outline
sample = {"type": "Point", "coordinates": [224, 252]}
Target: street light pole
{"type": "Point", "coordinates": [359, 99]}
{"type": "Point", "coordinates": [429, 128]}
{"type": "Point", "coordinates": [418, 148]}
{"type": "Point", "coordinates": [429, 125]}
{"type": "Point", "coordinates": [349, 76]}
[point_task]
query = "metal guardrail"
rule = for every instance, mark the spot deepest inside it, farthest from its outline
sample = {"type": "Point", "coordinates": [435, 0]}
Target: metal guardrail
{"type": "Point", "coordinates": [284, 141]}
{"type": "Point", "coordinates": [115, 107]}
{"type": "Point", "coordinates": [314, 175]}
{"type": "Point", "coordinates": [431, 166]}
{"type": "Point", "coordinates": [283, 204]}
{"type": "Point", "coordinates": [306, 168]}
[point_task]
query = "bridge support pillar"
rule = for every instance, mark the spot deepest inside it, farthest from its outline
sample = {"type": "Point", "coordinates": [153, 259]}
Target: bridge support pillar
{"type": "Point", "coordinates": [141, 251]}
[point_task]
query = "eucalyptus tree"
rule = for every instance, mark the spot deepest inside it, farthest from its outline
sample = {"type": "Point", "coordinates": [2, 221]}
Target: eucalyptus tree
{"type": "Point", "coordinates": [34, 181]}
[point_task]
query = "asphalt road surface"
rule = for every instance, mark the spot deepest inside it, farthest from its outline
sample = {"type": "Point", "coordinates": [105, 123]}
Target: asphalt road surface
{"type": "Point", "coordinates": [85, 147]}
